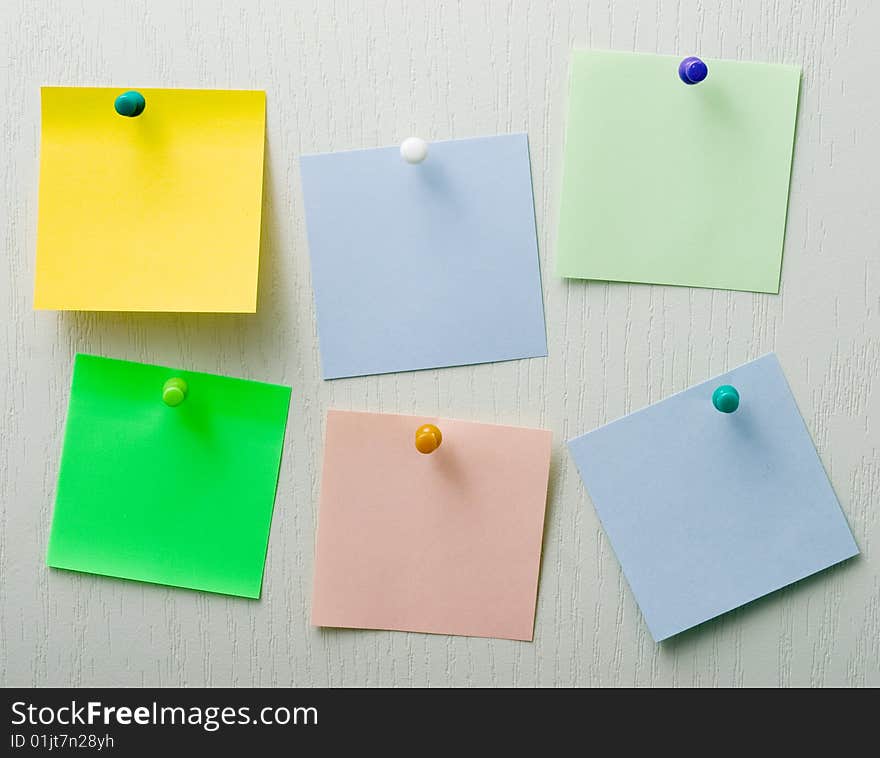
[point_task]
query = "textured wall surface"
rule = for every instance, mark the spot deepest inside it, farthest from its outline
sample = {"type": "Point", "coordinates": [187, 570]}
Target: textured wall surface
{"type": "Point", "coordinates": [345, 75]}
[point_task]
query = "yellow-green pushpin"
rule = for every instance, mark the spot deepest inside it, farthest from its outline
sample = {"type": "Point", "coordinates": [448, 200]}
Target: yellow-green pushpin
{"type": "Point", "coordinates": [725, 398]}
{"type": "Point", "coordinates": [174, 391]}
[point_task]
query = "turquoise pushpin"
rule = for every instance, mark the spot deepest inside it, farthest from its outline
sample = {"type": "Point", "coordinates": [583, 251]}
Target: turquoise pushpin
{"type": "Point", "coordinates": [130, 104]}
{"type": "Point", "coordinates": [174, 391]}
{"type": "Point", "coordinates": [726, 398]}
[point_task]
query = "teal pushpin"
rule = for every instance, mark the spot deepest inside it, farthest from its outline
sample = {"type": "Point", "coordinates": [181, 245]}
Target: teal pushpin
{"type": "Point", "coordinates": [130, 104]}
{"type": "Point", "coordinates": [726, 398]}
{"type": "Point", "coordinates": [174, 391]}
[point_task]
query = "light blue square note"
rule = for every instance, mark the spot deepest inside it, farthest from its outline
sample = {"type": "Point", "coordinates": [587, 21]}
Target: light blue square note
{"type": "Point", "coordinates": [424, 265]}
{"type": "Point", "coordinates": [707, 511]}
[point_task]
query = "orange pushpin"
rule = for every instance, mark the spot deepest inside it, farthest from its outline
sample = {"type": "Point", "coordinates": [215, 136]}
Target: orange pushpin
{"type": "Point", "coordinates": [428, 438]}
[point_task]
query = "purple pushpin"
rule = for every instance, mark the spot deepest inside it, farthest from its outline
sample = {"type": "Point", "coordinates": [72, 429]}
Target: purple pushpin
{"type": "Point", "coordinates": [692, 70]}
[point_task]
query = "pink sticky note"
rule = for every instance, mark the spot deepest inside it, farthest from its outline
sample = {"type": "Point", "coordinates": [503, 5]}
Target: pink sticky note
{"type": "Point", "coordinates": [447, 543]}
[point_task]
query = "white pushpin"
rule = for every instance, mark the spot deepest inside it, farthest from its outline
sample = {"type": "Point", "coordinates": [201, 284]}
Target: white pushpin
{"type": "Point", "coordinates": [414, 150]}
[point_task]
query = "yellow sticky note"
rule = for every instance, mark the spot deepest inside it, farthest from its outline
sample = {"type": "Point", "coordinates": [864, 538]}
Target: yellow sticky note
{"type": "Point", "coordinates": [160, 212]}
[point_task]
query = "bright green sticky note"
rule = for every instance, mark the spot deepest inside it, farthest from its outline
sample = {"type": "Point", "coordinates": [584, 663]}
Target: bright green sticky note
{"type": "Point", "coordinates": [177, 495]}
{"type": "Point", "coordinates": [669, 183]}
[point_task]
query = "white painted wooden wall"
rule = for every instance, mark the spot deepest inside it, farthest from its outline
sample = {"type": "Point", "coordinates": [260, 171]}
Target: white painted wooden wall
{"type": "Point", "coordinates": [361, 74]}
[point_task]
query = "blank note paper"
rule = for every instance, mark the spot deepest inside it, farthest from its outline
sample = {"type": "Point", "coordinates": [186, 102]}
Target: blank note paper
{"type": "Point", "coordinates": [178, 495]}
{"type": "Point", "coordinates": [160, 212]}
{"type": "Point", "coordinates": [425, 265]}
{"type": "Point", "coordinates": [707, 511]}
{"type": "Point", "coordinates": [669, 183]}
{"type": "Point", "coordinates": [448, 543]}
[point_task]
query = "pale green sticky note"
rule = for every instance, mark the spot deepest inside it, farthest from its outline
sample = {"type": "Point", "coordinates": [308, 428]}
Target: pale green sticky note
{"type": "Point", "coordinates": [669, 183]}
{"type": "Point", "coordinates": [179, 495]}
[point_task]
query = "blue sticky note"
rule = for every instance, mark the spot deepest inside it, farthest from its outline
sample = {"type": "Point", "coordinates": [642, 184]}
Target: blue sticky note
{"type": "Point", "coordinates": [707, 511]}
{"type": "Point", "coordinates": [424, 265]}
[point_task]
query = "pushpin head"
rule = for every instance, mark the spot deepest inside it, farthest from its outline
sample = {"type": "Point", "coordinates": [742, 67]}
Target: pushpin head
{"type": "Point", "coordinates": [725, 398]}
{"type": "Point", "coordinates": [174, 391]}
{"type": "Point", "coordinates": [692, 70]}
{"type": "Point", "coordinates": [414, 150]}
{"type": "Point", "coordinates": [428, 438]}
{"type": "Point", "coordinates": [130, 104]}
